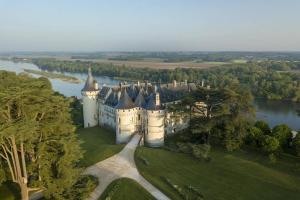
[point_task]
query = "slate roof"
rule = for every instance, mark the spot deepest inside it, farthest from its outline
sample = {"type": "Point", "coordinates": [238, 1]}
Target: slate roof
{"type": "Point", "coordinates": [132, 91]}
{"type": "Point", "coordinates": [144, 96]}
{"type": "Point", "coordinates": [140, 99]}
{"type": "Point", "coordinates": [104, 91]}
{"type": "Point", "coordinates": [112, 99]}
{"type": "Point", "coordinates": [125, 101]}
{"type": "Point", "coordinates": [151, 105]}
{"type": "Point", "coordinates": [90, 82]}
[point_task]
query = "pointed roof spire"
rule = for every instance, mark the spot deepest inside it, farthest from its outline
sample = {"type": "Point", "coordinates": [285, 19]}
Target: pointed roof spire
{"type": "Point", "coordinates": [90, 82]}
{"type": "Point", "coordinates": [90, 71]}
{"type": "Point", "coordinates": [125, 101]}
{"type": "Point", "coordinates": [140, 100]}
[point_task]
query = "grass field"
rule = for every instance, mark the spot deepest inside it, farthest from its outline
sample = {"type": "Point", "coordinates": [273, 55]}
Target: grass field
{"type": "Point", "coordinates": [98, 144]}
{"type": "Point", "coordinates": [6, 194]}
{"type": "Point", "coordinates": [9, 191]}
{"type": "Point", "coordinates": [154, 64]}
{"type": "Point", "coordinates": [238, 175]}
{"type": "Point", "coordinates": [125, 189]}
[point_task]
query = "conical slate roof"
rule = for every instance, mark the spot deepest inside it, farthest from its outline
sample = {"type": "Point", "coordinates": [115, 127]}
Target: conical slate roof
{"type": "Point", "coordinates": [125, 101]}
{"type": "Point", "coordinates": [151, 105]}
{"type": "Point", "coordinates": [140, 100]}
{"type": "Point", "coordinates": [132, 91]}
{"type": "Point", "coordinates": [90, 82]}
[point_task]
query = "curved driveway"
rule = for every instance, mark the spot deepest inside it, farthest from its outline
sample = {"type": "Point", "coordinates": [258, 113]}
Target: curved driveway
{"type": "Point", "coordinates": [119, 166]}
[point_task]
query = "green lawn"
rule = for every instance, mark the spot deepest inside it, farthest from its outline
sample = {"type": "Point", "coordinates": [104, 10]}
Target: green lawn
{"type": "Point", "coordinates": [239, 175]}
{"type": "Point", "coordinates": [8, 191]}
{"type": "Point", "coordinates": [239, 61]}
{"type": "Point", "coordinates": [98, 144]}
{"type": "Point", "coordinates": [126, 189]}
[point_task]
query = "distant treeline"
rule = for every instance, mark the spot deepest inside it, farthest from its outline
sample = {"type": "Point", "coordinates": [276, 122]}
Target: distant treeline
{"type": "Point", "coordinates": [269, 79]}
{"type": "Point", "coordinates": [192, 56]}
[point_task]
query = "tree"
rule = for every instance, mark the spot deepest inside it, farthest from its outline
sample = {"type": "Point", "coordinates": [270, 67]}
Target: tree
{"type": "Point", "coordinates": [263, 126]}
{"type": "Point", "coordinates": [184, 107]}
{"type": "Point", "coordinates": [255, 135]}
{"type": "Point", "coordinates": [38, 146]}
{"type": "Point", "coordinates": [283, 134]}
{"type": "Point", "coordinates": [270, 144]}
{"type": "Point", "coordinates": [222, 114]}
{"type": "Point", "coordinates": [296, 144]}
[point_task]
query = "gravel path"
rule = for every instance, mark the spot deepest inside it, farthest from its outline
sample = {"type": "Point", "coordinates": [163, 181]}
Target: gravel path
{"type": "Point", "coordinates": [119, 166]}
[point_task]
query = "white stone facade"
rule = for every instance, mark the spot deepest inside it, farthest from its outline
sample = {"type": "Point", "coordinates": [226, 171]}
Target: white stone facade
{"type": "Point", "coordinates": [90, 105]}
{"type": "Point", "coordinates": [155, 128]}
{"type": "Point", "coordinates": [133, 109]}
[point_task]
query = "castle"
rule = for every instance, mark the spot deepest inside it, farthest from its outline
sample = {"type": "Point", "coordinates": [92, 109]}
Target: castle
{"type": "Point", "coordinates": [135, 109]}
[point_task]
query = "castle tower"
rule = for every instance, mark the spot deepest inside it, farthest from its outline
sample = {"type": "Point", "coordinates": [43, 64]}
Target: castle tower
{"type": "Point", "coordinates": [140, 103]}
{"type": "Point", "coordinates": [155, 130]}
{"type": "Point", "coordinates": [89, 98]}
{"type": "Point", "coordinates": [125, 118]}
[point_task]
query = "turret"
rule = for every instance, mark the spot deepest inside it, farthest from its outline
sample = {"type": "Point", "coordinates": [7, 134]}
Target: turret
{"type": "Point", "coordinates": [125, 118]}
{"type": "Point", "coordinates": [89, 99]}
{"type": "Point", "coordinates": [154, 129]}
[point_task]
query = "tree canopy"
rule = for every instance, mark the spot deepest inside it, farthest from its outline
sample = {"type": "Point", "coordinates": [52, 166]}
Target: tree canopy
{"type": "Point", "coordinates": [38, 146]}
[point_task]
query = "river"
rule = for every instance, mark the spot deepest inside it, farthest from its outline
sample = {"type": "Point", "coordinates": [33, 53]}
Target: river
{"type": "Point", "coordinates": [273, 112]}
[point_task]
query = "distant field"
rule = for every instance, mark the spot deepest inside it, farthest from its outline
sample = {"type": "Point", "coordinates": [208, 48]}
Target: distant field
{"type": "Point", "coordinates": [154, 63]}
{"type": "Point", "coordinates": [239, 61]}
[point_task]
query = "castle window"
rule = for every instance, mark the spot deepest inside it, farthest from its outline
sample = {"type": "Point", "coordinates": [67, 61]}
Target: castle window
{"type": "Point", "coordinates": [139, 117]}
{"type": "Point", "coordinates": [119, 130]}
{"type": "Point", "coordinates": [119, 120]}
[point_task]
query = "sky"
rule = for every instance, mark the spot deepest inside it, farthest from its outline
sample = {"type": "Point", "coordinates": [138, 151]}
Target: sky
{"type": "Point", "coordinates": [149, 25]}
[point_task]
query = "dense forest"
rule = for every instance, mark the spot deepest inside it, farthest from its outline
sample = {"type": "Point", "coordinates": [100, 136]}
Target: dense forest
{"type": "Point", "coordinates": [39, 149]}
{"type": "Point", "coordinates": [268, 79]}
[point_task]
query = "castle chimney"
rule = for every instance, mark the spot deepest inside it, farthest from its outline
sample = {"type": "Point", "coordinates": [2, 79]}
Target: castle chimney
{"type": "Point", "coordinates": [96, 85]}
{"type": "Point", "coordinates": [202, 83]}
{"type": "Point", "coordinates": [119, 94]}
{"type": "Point", "coordinates": [157, 99]}
{"type": "Point", "coordinates": [185, 82]}
{"type": "Point", "coordinates": [138, 83]}
{"type": "Point", "coordinates": [155, 88]}
{"type": "Point", "coordinates": [174, 83]}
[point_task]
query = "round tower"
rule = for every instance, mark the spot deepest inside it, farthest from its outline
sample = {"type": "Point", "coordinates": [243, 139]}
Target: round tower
{"type": "Point", "coordinates": [125, 118]}
{"type": "Point", "coordinates": [89, 99]}
{"type": "Point", "coordinates": [155, 117]}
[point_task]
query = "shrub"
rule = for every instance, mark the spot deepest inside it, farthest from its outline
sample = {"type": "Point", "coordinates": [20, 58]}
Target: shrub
{"type": "Point", "coordinates": [184, 147]}
{"type": "Point", "coordinates": [270, 144]}
{"type": "Point", "coordinates": [82, 188]}
{"type": "Point", "coordinates": [272, 158]}
{"type": "Point", "coordinates": [296, 144]}
{"type": "Point", "coordinates": [201, 151]}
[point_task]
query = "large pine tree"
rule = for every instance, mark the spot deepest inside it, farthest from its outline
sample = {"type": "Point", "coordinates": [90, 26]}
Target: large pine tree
{"type": "Point", "coordinates": [38, 145]}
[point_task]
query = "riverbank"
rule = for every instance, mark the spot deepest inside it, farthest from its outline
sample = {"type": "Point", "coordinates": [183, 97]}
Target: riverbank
{"type": "Point", "coordinates": [62, 77]}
